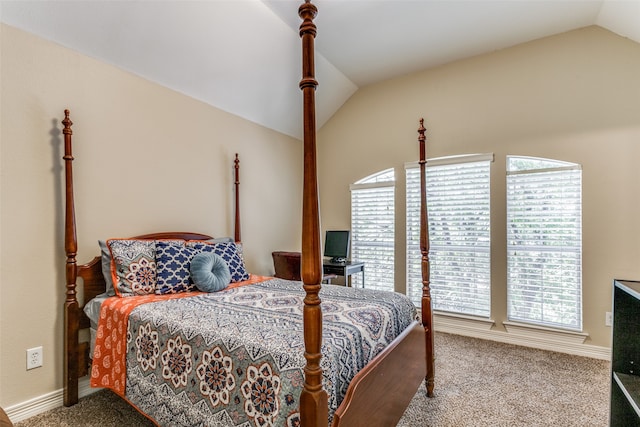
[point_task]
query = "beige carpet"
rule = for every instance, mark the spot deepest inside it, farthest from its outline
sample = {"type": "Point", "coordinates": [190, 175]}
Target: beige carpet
{"type": "Point", "coordinates": [478, 383]}
{"type": "Point", "coordinates": [484, 383]}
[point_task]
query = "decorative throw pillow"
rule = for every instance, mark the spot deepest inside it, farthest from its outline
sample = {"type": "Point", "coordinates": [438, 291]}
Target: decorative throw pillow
{"type": "Point", "coordinates": [210, 272]}
{"type": "Point", "coordinates": [133, 266]}
{"type": "Point", "coordinates": [229, 252]}
{"type": "Point", "coordinates": [172, 262]}
{"type": "Point", "coordinates": [106, 267]}
{"type": "Point", "coordinates": [240, 250]}
{"type": "Point", "coordinates": [220, 240]}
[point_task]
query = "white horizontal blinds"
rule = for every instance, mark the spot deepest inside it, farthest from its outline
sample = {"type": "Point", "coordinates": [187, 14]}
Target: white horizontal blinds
{"type": "Point", "coordinates": [458, 203]}
{"type": "Point", "coordinates": [372, 230]}
{"type": "Point", "coordinates": [544, 242]}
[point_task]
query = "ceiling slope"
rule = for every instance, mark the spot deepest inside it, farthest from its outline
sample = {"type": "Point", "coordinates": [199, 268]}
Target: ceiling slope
{"type": "Point", "coordinates": [243, 56]}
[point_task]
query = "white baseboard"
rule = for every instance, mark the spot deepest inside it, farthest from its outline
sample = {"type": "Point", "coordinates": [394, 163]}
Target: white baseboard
{"type": "Point", "coordinates": [46, 402]}
{"type": "Point", "coordinates": [522, 335]}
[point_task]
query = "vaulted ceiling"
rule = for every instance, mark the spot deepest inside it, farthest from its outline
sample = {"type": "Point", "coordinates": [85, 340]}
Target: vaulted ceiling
{"type": "Point", "coordinates": [243, 56]}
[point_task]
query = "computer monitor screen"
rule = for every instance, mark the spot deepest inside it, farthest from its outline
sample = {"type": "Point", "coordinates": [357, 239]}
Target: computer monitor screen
{"type": "Point", "coordinates": [336, 245]}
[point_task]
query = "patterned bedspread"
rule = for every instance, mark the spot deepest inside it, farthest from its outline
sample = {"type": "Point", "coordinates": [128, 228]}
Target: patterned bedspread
{"type": "Point", "coordinates": [235, 357]}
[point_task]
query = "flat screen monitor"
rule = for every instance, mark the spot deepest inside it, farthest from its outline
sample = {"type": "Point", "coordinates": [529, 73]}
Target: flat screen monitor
{"type": "Point", "coordinates": [336, 245]}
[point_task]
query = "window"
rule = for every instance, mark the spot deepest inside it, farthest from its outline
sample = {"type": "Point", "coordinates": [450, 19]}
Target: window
{"type": "Point", "coordinates": [372, 229]}
{"type": "Point", "coordinates": [544, 242]}
{"type": "Point", "coordinates": [458, 204]}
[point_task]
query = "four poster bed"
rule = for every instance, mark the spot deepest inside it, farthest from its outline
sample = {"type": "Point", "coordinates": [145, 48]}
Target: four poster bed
{"type": "Point", "coordinates": [257, 351]}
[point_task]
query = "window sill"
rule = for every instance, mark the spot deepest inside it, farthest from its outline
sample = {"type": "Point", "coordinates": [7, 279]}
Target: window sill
{"type": "Point", "coordinates": [563, 341]}
{"type": "Point", "coordinates": [536, 332]}
{"type": "Point", "coordinates": [454, 323]}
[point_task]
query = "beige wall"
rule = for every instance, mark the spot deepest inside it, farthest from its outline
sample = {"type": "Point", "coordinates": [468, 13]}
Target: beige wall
{"type": "Point", "coordinates": [147, 159]}
{"type": "Point", "coordinates": [572, 97]}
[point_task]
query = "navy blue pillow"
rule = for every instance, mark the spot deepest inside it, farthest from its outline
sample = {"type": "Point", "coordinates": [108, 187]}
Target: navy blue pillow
{"type": "Point", "coordinates": [172, 263]}
{"type": "Point", "coordinates": [228, 251]}
{"type": "Point", "coordinates": [210, 272]}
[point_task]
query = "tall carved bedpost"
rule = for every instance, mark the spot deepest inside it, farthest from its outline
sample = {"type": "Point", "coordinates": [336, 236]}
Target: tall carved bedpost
{"type": "Point", "coordinates": [427, 313]}
{"type": "Point", "coordinates": [313, 398]}
{"type": "Point", "coordinates": [236, 165]}
{"type": "Point", "coordinates": [71, 308]}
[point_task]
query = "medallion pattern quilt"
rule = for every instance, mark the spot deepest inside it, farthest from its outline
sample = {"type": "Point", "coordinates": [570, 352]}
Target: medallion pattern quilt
{"type": "Point", "coordinates": [236, 357]}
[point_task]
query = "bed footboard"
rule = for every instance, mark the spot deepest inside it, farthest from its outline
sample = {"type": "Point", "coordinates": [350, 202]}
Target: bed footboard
{"type": "Point", "coordinates": [398, 370]}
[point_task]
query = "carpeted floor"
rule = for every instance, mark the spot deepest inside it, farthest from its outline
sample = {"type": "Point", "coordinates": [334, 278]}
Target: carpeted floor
{"type": "Point", "coordinates": [478, 383]}
{"type": "Point", "coordinates": [484, 383]}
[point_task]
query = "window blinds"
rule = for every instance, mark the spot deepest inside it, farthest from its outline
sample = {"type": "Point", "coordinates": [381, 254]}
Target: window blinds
{"type": "Point", "coordinates": [373, 234]}
{"type": "Point", "coordinates": [544, 242]}
{"type": "Point", "coordinates": [458, 202]}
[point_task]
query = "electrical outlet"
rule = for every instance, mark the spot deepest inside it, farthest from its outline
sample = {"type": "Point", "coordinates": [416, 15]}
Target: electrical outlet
{"type": "Point", "coordinates": [608, 319]}
{"type": "Point", "coordinates": [34, 357]}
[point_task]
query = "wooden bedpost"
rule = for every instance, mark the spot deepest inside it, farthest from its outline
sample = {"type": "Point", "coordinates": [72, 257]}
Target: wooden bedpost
{"type": "Point", "coordinates": [314, 409]}
{"type": "Point", "coordinates": [427, 313]}
{"type": "Point", "coordinates": [236, 164]}
{"type": "Point", "coordinates": [71, 308]}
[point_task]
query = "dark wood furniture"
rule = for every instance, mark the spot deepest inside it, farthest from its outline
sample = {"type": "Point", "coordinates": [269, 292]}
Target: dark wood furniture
{"type": "Point", "coordinates": [287, 265]}
{"type": "Point", "coordinates": [380, 392]}
{"type": "Point", "coordinates": [344, 269]}
{"type": "Point", "coordinates": [377, 395]}
{"type": "Point", "coordinates": [4, 419]}
{"type": "Point", "coordinates": [625, 354]}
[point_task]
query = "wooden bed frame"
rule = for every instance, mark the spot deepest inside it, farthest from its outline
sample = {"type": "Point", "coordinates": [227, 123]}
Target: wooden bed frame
{"type": "Point", "coordinates": [381, 391]}
{"type": "Point", "coordinates": [76, 353]}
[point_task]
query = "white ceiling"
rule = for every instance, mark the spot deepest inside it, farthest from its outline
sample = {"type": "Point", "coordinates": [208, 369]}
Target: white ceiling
{"type": "Point", "coordinates": [243, 56]}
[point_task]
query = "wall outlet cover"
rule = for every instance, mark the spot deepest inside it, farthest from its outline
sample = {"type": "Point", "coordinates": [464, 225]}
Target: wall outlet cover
{"type": "Point", "coordinates": [34, 357]}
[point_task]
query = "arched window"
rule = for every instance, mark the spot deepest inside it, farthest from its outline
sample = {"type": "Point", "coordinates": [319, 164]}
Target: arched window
{"type": "Point", "coordinates": [372, 229]}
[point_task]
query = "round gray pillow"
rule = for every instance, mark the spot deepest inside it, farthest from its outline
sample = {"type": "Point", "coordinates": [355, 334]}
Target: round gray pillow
{"type": "Point", "coordinates": [209, 272]}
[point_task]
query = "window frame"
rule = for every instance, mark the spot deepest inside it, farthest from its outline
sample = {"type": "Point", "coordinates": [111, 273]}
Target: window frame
{"type": "Point", "coordinates": [380, 274]}
{"type": "Point", "coordinates": [559, 259]}
{"type": "Point", "coordinates": [413, 255]}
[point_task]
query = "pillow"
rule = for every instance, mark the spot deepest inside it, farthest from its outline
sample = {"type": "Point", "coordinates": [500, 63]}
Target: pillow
{"type": "Point", "coordinates": [229, 252]}
{"type": "Point", "coordinates": [240, 250]}
{"type": "Point", "coordinates": [172, 264]}
{"type": "Point", "coordinates": [210, 272]}
{"type": "Point", "coordinates": [106, 267]}
{"type": "Point", "coordinates": [133, 266]}
{"type": "Point", "coordinates": [220, 240]}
